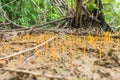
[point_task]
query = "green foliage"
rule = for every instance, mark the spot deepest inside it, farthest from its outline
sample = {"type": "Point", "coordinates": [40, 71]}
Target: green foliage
{"type": "Point", "coordinates": [2, 19]}
{"type": "Point", "coordinates": [53, 13]}
{"type": "Point", "coordinates": [112, 11]}
{"type": "Point", "coordinates": [72, 4]}
{"type": "Point", "coordinates": [26, 13]}
{"type": "Point", "coordinates": [91, 5]}
{"type": "Point", "coordinates": [30, 12]}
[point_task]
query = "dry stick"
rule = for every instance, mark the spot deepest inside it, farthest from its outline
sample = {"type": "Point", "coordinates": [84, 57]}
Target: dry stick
{"type": "Point", "coordinates": [4, 24]}
{"type": "Point", "coordinates": [58, 26]}
{"type": "Point", "coordinates": [69, 17]}
{"type": "Point", "coordinates": [35, 73]}
{"type": "Point", "coordinates": [21, 42]}
{"type": "Point", "coordinates": [39, 25]}
{"type": "Point", "coordinates": [74, 33]}
{"type": "Point", "coordinates": [31, 58]}
{"type": "Point", "coordinates": [18, 29]}
{"type": "Point", "coordinates": [18, 42]}
{"type": "Point", "coordinates": [66, 24]}
{"type": "Point", "coordinates": [29, 49]}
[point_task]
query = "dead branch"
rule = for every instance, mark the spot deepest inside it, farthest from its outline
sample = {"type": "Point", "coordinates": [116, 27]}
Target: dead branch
{"type": "Point", "coordinates": [29, 49]}
{"type": "Point", "coordinates": [35, 26]}
{"type": "Point", "coordinates": [51, 22]}
{"type": "Point", "coordinates": [5, 23]}
{"type": "Point", "coordinates": [36, 74]}
{"type": "Point", "coordinates": [31, 57]}
{"type": "Point", "coordinates": [13, 30]}
{"type": "Point", "coordinates": [58, 26]}
{"type": "Point", "coordinates": [66, 24]}
{"type": "Point", "coordinates": [18, 42]}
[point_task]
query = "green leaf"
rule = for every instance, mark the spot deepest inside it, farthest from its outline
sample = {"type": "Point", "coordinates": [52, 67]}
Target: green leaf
{"type": "Point", "coordinates": [2, 19]}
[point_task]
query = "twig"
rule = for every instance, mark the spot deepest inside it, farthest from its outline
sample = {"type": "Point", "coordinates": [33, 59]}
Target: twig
{"type": "Point", "coordinates": [52, 22]}
{"type": "Point", "coordinates": [35, 73]}
{"type": "Point", "coordinates": [66, 24]}
{"type": "Point", "coordinates": [18, 42]}
{"type": "Point", "coordinates": [4, 23]}
{"type": "Point", "coordinates": [31, 58]}
{"type": "Point", "coordinates": [8, 3]}
{"type": "Point", "coordinates": [29, 49]}
{"type": "Point", "coordinates": [58, 26]}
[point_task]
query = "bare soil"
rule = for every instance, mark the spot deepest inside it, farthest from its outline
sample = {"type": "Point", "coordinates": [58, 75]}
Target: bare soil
{"type": "Point", "coordinates": [65, 57]}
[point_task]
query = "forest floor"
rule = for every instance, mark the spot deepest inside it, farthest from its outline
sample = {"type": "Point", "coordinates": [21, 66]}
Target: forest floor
{"type": "Point", "coordinates": [60, 56]}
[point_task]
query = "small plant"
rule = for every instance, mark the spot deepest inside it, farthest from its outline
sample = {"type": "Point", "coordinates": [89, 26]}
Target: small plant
{"type": "Point", "coordinates": [53, 54]}
{"type": "Point", "coordinates": [46, 48]}
{"type": "Point", "coordinates": [64, 39]}
{"type": "Point", "coordinates": [85, 48]}
{"type": "Point", "coordinates": [107, 36]}
{"type": "Point", "coordinates": [21, 58]}
{"type": "Point", "coordinates": [38, 52]}
{"type": "Point", "coordinates": [62, 48]}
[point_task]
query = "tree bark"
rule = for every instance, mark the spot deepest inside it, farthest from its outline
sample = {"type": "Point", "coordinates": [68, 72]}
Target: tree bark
{"type": "Point", "coordinates": [77, 16]}
{"type": "Point", "coordinates": [85, 19]}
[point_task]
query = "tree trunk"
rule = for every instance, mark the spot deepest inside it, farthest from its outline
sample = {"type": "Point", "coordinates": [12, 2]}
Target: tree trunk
{"type": "Point", "coordinates": [77, 16]}
{"type": "Point", "coordinates": [92, 18]}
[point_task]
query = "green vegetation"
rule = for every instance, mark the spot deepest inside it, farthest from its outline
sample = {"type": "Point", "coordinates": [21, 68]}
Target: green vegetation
{"type": "Point", "coordinates": [31, 12]}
